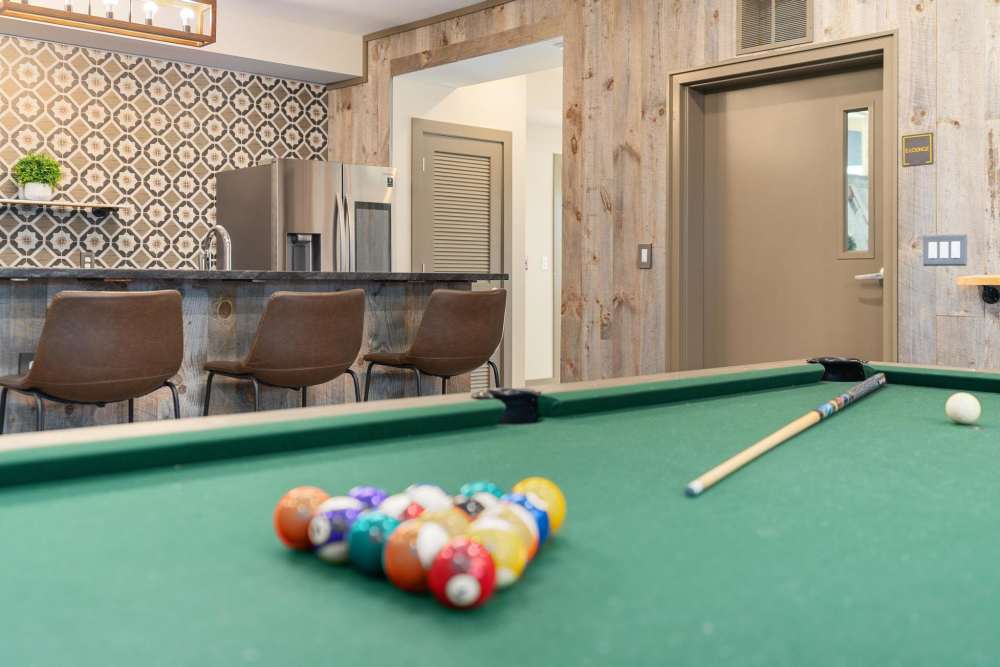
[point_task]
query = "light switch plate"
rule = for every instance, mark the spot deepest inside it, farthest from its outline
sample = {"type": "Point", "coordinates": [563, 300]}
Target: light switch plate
{"type": "Point", "coordinates": [645, 255]}
{"type": "Point", "coordinates": [946, 250]}
{"type": "Point", "coordinates": [24, 362]}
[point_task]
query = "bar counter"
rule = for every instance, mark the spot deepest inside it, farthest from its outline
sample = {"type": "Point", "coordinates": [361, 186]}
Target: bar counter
{"type": "Point", "coordinates": [221, 310]}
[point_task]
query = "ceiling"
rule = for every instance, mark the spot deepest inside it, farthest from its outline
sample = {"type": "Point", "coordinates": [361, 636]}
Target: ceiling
{"type": "Point", "coordinates": [362, 16]}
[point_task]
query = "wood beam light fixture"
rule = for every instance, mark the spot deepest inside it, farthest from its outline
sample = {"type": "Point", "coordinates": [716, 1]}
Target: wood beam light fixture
{"type": "Point", "coordinates": [187, 22]}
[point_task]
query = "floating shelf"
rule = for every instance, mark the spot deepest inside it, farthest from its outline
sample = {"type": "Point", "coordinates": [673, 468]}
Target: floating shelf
{"type": "Point", "coordinates": [989, 286]}
{"type": "Point", "coordinates": [99, 209]}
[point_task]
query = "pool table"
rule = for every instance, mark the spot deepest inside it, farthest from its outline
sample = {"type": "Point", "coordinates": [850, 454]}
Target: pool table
{"type": "Point", "coordinates": [872, 538]}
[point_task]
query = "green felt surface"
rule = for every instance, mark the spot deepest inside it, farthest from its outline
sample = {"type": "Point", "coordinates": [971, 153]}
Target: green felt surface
{"type": "Point", "coordinates": [870, 539]}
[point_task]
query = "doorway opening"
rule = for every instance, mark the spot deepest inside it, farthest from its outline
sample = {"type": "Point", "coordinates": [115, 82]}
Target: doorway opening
{"type": "Point", "coordinates": [784, 217]}
{"type": "Point", "coordinates": [466, 213]}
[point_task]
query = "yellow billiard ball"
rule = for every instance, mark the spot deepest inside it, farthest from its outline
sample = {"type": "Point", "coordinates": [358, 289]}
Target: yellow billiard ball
{"type": "Point", "coordinates": [551, 496]}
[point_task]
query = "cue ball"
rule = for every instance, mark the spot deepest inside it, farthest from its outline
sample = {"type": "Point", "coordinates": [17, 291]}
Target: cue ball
{"type": "Point", "coordinates": [293, 513]}
{"type": "Point", "coordinates": [963, 408]}
{"type": "Point", "coordinates": [462, 575]}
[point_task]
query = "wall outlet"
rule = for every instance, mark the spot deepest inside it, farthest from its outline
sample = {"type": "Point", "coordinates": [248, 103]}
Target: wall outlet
{"type": "Point", "coordinates": [946, 250]}
{"type": "Point", "coordinates": [87, 260]}
{"type": "Point", "coordinates": [545, 262]}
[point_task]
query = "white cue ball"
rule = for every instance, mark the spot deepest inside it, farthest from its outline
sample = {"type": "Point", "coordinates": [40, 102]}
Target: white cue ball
{"type": "Point", "coordinates": [963, 408]}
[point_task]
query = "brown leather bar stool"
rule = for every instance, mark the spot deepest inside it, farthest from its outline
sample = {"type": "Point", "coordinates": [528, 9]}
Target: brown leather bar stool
{"type": "Point", "coordinates": [103, 347]}
{"type": "Point", "coordinates": [458, 333]}
{"type": "Point", "coordinates": [303, 339]}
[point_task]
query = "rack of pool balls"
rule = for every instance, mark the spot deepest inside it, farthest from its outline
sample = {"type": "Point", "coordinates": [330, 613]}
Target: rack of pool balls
{"type": "Point", "coordinates": [460, 548]}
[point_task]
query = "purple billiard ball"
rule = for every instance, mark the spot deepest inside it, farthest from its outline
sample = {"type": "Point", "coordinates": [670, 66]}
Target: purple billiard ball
{"type": "Point", "coordinates": [370, 496]}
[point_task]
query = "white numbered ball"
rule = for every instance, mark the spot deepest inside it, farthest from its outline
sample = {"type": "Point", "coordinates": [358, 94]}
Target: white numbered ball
{"type": "Point", "coordinates": [963, 408]}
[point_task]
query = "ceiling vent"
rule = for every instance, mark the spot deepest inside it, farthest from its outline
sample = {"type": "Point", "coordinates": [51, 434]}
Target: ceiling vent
{"type": "Point", "coordinates": [768, 24]}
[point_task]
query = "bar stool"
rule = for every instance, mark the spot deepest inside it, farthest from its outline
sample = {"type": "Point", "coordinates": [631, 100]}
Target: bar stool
{"type": "Point", "coordinates": [103, 347]}
{"type": "Point", "coordinates": [303, 339]}
{"type": "Point", "coordinates": [458, 333]}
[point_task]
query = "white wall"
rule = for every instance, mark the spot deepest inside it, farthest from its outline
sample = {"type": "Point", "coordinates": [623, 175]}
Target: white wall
{"type": "Point", "coordinates": [525, 106]}
{"type": "Point", "coordinates": [544, 117]}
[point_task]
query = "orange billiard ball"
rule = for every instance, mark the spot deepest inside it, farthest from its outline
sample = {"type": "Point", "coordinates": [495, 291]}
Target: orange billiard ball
{"type": "Point", "coordinates": [293, 513]}
{"type": "Point", "coordinates": [401, 561]}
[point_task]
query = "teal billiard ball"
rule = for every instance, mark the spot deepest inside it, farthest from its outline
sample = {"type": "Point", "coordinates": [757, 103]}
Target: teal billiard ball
{"type": "Point", "coordinates": [470, 489]}
{"type": "Point", "coordinates": [367, 539]}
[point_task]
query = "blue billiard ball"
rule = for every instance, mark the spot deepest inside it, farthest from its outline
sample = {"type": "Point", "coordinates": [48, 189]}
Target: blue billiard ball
{"type": "Point", "coordinates": [541, 516]}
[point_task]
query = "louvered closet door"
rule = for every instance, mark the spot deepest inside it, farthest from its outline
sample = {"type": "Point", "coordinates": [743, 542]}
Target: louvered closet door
{"type": "Point", "coordinates": [457, 212]}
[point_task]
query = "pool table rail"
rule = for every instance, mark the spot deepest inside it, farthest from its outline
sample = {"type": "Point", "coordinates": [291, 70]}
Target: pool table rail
{"type": "Point", "coordinates": [32, 458]}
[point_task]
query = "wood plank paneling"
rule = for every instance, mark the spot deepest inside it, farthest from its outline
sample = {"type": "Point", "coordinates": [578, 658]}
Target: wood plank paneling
{"type": "Point", "coordinates": [618, 54]}
{"type": "Point", "coordinates": [917, 195]}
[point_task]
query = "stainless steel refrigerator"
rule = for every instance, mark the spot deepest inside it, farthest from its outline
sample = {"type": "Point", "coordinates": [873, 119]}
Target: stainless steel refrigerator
{"type": "Point", "coordinates": [307, 215]}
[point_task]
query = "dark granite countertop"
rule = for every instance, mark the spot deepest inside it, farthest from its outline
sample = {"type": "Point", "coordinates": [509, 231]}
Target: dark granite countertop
{"type": "Point", "coordinates": [28, 273]}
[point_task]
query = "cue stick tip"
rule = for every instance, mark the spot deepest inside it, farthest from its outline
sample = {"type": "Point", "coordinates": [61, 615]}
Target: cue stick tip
{"type": "Point", "coordinates": [694, 488]}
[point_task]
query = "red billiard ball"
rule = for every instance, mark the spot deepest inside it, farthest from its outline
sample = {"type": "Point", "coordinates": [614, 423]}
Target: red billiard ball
{"type": "Point", "coordinates": [412, 511]}
{"type": "Point", "coordinates": [293, 513]}
{"type": "Point", "coordinates": [462, 575]}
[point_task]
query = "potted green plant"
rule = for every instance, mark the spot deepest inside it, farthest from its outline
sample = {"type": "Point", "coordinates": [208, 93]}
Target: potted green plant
{"type": "Point", "coordinates": [37, 175]}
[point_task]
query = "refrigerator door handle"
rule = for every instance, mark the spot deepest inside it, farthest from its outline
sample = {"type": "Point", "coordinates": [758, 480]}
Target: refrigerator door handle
{"type": "Point", "coordinates": [350, 220]}
{"type": "Point", "coordinates": [337, 235]}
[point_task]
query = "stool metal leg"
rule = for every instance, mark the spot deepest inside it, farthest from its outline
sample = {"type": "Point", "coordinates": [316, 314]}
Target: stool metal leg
{"type": "Point", "coordinates": [39, 413]}
{"type": "Point", "coordinates": [304, 396]}
{"type": "Point", "coordinates": [419, 378]}
{"type": "Point", "coordinates": [496, 373]}
{"type": "Point", "coordinates": [208, 393]}
{"type": "Point", "coordinates": [3, 409]}
{"type": "Point", "coordinates": [256, 394]}
{"type": "Point", "coordinates": [357, 385]}
{"type": "Point", "coordinates": [368, 378]}
{"type": "Point", "coordinates": [177, 400]}
{"type": "Point", "coordinates": [131, 410]}
{"type": "Point", "coordinates": [444, 385]}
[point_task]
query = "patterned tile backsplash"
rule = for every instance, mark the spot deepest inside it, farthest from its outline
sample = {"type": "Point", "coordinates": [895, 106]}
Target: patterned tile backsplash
{"type": "Point", "coordinates": [138, 131]}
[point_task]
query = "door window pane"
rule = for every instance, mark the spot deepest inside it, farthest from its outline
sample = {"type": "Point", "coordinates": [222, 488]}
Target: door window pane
{"type": "Point", "coordinates": [857, 174]}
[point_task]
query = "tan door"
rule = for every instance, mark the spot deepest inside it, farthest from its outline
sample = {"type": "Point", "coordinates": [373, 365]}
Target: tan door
{"type": "Point", "coordinates": [791, 241]}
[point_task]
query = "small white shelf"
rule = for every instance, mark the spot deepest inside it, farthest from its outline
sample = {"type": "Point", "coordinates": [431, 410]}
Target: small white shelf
{"type": "Point", "coordinates": [98, 208]}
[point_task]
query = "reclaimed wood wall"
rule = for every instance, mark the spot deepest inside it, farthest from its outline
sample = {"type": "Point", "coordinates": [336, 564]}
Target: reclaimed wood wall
{"type": "Point", "coordinates": [618, 55]}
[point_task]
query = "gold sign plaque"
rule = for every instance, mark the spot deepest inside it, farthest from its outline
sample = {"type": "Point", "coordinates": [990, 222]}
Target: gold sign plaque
{"type": "Point", "coordinates": [918, 149]}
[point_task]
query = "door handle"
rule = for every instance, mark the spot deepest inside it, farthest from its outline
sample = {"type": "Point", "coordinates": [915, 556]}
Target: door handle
{"type": "Point", "coordinates": [880, 276]}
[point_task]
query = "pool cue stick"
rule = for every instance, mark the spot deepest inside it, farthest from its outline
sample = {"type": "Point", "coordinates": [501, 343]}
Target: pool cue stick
{"type": "Point", "coordinates": [787, 432]}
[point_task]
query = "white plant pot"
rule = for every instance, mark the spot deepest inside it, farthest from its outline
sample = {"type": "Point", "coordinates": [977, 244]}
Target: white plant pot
{"type": "Point", "coordinates": [35, 192]}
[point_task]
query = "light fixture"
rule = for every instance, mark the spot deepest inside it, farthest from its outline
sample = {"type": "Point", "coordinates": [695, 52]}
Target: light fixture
{"type": "Point", "coordinates": [197, 18]}
{"type": "Point", "coordinates": [150, 10]}
{"type": "Point", "coordinates": [187, 16]}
